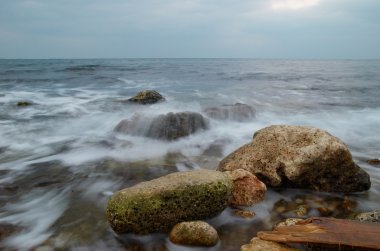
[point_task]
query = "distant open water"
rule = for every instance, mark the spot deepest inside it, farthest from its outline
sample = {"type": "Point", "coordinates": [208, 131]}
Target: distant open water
{"type": "Point", "coordinates": [60, 158]}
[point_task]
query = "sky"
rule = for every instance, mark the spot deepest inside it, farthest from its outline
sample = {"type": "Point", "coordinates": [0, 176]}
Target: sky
{"type": "Point", "coordinates": [305, 29]}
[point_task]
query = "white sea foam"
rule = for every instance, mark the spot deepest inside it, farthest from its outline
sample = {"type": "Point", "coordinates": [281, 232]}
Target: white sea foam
{"type": "Point", "coordinates": [35, 212]}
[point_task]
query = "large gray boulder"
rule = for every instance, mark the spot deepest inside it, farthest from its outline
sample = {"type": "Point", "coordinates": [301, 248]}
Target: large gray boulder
{"type": "Point", "coordinates": [170, 126]}
{"type": "Point", "coordinates": [159, 204]}
{"type": "Point", "coordinates": [299, 156]}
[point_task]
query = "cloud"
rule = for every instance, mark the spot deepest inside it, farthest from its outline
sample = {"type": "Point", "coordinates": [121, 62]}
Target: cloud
{"type": "Point", "coordinates": [293, 4]}
{"type": "Point", "coordinates": [190, 28]}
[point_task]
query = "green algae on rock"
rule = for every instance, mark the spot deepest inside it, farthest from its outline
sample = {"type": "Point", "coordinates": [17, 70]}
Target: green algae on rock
{"type": "Point", "coordinates": [159, 204]}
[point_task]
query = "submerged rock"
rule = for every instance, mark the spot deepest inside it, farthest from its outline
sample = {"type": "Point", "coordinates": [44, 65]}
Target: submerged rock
{"type": "Point", "coordinates": [237, 112]}
{"type": "Point", "coordinates": [374, 162]}
{"type": "Point", "coordinates": [373, 216]}
{"type": "Point", "coordinates": [159, 204]}
{"type": "Point", "coordinates": [147, 97]}
{"type": "Point", "coordinates": [257, 244]}
{"type": "Point", "coordinates": [23, 103]}
{"type": "Point", "coordinates": [170, 126]}
{"type": "Point", "coordinates": [299, 156]}
{"type": "Point", "coordinates": [247, 188]}
{"type": "Point", "coordinates": [194, 233]}
{"type": "Point", "coordinates": [246, 214]}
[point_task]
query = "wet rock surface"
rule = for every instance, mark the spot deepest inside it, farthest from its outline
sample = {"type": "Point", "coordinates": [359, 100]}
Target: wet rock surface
{"type": "Point", "coordinates": [374, 162]}
{"type": "Point", "coordinates": [194, 233]}
{"type": "Point", "coordinates": [147, 97]}
{"type": "Point", "coordinates": [257, 244]}
{"type": "Point", "coordinates": [373, 216]}
{"type": "Point", "coordinates": [159, 204]}
{"type": "Point", "coordinates": [170, 126]}
{"type": "Point", "coordinates": [236, 112]}
{"type": "Point", "coordinates": [246, 214]}
{"type": "Point", "coordinates": [301, 157]}
{"type": "Point", "coordinates": [309, 205]}
{"type": "Point", "coordinates": [247, 188]}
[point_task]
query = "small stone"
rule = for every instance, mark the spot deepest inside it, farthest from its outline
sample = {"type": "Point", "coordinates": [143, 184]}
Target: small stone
{"type": "Point", "coordinates": [194, 233]}
{"type": "Point", "coordinates": [374, 162]}
{"type": "Point", "coordinates": [147, 97]}
{"type": "Point", "coordinates": [257, 244]}
{"type": "Point", "coordinates": [246, 214]}
{"type": "Point", "coordinates": [23, 103]}
{"type": "Point", "coordinates": [373, 216]}
{"type": "Point", "coordinates": [287, 222]}
{"type": "Point", "coordinates": [301, 210]}
{"type": "Point", "coordinates": [247, 188]}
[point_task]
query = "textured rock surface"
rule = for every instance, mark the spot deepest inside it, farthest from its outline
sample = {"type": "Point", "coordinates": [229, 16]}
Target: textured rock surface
{"type": "Point", "coordinates": [159, 204]}
{"type": "Point", "coordinates": [247, 188]}
{"type": "Point", "coordinates": [194, 233]}
{"type": "Point", "coordinates": [373, 216]}
{"type": "Point", "coordinates": [298, 156]}
{"type": "Point", "coordinates": [257, 244]}
{"type": "Point", "coordinates": [236, 112]}
{"type": "Point", "coordinates": [169, 126]}
{"type": "Point", "coordinates": [147, 97]}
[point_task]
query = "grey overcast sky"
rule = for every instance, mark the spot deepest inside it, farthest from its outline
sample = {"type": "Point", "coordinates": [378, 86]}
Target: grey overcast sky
{"type": "Point", "coordinates": [190, 28]}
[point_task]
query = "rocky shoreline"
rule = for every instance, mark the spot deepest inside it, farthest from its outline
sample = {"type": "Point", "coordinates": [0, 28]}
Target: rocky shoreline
{"type": "Point", "coordinates": [279, 156]}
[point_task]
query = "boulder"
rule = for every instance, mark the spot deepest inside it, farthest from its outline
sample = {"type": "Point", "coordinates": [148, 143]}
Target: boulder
{"type": "Point", "coordinates": [257, 244]}
{"type": "Point", "coordinates": [237, 112]}
{"type": "Point", "coordinates": [247, 188]}
{"type": "Point", "coordinates": [373, 216]}
{"type": "Point", "coordinates": [194, 233]}
{"type": "Point", "coordinates": [170, 126]}
{"type": "Point", "coordinates": [159, 204]}
{"type": "Point", "coordinates": [301, 157]}
{"type": "Point", "coordinates": [147, 97]}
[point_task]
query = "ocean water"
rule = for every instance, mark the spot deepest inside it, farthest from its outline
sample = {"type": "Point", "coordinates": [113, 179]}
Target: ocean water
{"type": "Point", "coordinates": [60, 158]}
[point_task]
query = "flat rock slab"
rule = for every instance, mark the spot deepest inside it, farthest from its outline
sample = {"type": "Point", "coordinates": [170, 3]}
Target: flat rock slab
{"type": "Point", "coordinates": [327, 231]}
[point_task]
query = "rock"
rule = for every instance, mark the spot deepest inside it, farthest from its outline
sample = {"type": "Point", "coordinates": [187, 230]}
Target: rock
{"type": "Point", "coordinates": [308, 205]}
{"type": "Point", "coordinates": [257, 244]}
{"type": "Point", "coordinates": [170, 126]}
{"type": "Point", "coordinates": [246, 214]}
{"type": "Point", "coordinates": [194, 233]}
{"type": "Point", "coordinates": [288, 222]}
{"type": "Point", "coordinates": [23, 103]}
{"type": "Point", "coordinates": [374, 162]}
{"type": "Point", "coordinates": [339, 234]}
{"type": "Point", "coordinates": [147, 97]}
{"type": "Point", "coordinates": [247, 188]}
{"type": "Point", "coordinates": [237, 112]}
{"type": "Point", "coordinates": [301, 157]}
{"type": "Point", "coordinates": [373, 216]}
{"type": "Point", "coordinates": [159, 204]}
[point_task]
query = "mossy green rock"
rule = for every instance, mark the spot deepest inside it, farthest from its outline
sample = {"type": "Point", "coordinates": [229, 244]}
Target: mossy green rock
{"type": "Point", "coordinates": [159, 204]}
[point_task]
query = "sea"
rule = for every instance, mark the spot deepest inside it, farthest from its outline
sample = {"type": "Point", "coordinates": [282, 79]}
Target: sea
{"type": "Point", "coordinates": [61, 159]}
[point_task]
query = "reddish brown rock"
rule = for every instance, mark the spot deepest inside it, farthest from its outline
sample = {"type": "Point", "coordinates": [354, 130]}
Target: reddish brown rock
{"type": "Point", "coordinates": [247, 188]}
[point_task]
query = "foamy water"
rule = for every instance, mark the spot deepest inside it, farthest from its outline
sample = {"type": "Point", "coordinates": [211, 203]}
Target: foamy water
{"type": "Point", "coordinates": [60, 158]}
